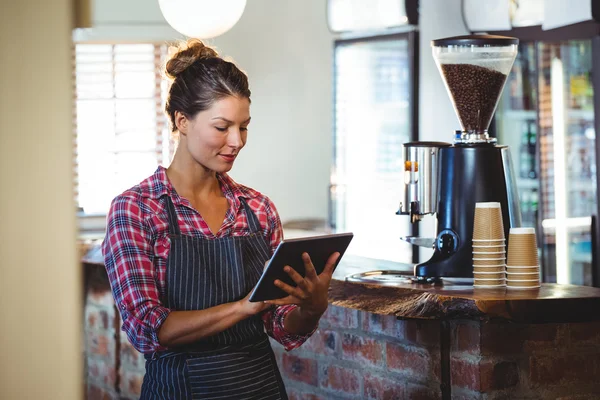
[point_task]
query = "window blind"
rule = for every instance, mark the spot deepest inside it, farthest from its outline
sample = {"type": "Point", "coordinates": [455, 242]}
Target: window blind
{"type": "Point", "coordinates": [121, 131]}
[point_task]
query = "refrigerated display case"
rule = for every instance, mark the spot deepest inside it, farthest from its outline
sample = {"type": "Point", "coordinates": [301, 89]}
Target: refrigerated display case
{"type": "Point", "coordinates": [547, 116]}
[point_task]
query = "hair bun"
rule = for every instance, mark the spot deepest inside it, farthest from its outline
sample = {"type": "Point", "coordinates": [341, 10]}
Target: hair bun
{"type": "Point", "coordinates": [186, 54]}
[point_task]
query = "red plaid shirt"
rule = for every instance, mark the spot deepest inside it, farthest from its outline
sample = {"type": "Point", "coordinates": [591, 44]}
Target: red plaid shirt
{"type": "Point", "coordinates": [136, 247]}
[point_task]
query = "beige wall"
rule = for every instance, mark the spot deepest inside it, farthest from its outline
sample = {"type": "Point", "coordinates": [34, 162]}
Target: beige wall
{"type": "Point", "coordinates": [40, 311]}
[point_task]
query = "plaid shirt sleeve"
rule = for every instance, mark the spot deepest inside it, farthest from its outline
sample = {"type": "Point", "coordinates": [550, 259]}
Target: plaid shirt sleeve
{"type": "Point", "coordinates": [274, 318]}
{"type": "Point", "coordinates": [128, 256]}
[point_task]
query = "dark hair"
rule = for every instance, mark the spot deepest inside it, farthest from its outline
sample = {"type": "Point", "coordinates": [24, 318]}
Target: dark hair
{"type": "Point", "coordinates": [200, 78]}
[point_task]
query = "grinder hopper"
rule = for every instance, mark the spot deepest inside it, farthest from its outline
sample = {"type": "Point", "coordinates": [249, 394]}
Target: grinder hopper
{"type": "Point", "coordinates": [474, 70]}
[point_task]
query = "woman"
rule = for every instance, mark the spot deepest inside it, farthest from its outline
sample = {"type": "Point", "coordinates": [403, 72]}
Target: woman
{"type": "Point", "coordinates": [185, 247]}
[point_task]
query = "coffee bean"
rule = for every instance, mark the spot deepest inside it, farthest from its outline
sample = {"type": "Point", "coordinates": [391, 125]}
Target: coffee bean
{"type": "Point", "coordinates": [475, 91]}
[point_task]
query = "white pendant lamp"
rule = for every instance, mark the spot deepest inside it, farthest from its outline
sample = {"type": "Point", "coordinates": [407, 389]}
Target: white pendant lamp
{"type": "Point", "coordinates": [202, 19]}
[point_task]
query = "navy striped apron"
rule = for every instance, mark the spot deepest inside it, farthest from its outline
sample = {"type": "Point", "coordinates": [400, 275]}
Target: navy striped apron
{"type": "Point", "coordinates": [237, 363]}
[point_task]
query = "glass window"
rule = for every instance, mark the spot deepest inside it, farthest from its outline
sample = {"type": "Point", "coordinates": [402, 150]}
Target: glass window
{"type": "Point", "coordinates": [121, 129]}
{"type": "Point", "coordinates": [372, 120]}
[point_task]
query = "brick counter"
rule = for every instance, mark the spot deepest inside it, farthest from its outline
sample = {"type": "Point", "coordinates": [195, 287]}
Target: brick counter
{"type": "Point", "coordinates": [363, 350]}
{"type": "Point", "coordinates": [359, 355]}
{"type": "Point", "coordinates": [115, 370]}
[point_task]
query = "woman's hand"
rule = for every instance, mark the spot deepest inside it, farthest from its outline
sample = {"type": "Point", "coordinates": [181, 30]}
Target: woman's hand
{"type": "Point", "coordinates": [249, 308]}
{"type": "Point", "coordinates": [311, 292]}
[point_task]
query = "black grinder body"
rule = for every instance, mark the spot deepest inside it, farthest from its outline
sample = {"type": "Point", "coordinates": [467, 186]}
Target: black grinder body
{"type": "Point", "coordinates": [468, 174]}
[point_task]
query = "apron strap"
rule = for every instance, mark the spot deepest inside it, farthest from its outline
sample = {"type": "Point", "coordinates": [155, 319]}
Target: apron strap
{"type": "Point", "coordinates": [173, 223]}
{"type": "Point", "coordinates": [252, 218]}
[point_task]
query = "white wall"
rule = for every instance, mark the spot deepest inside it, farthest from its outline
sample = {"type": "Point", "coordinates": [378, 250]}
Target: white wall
{"type": "Point", "coordinates": [40, 279]}
{"type": "Point", "coordinates": [287, 51]}
{"type": "Point", "coordinates": [437, 119]}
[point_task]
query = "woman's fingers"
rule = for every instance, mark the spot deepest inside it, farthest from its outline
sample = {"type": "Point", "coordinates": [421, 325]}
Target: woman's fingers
{"type": "Point", "coordinates": [283, 302]}
{"type": "Point", "coordinates": [311, 274]}
{"type": "Point", "coordinates": [292, 291]}
{"type": "Point", "coordinates": [296, 277]}
{"type": "Point", "coordinates": [330, 264]}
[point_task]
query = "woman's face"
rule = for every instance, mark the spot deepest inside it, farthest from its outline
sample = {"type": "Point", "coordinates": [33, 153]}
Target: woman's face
{"type": "Point", "coordinates": [214, 137]}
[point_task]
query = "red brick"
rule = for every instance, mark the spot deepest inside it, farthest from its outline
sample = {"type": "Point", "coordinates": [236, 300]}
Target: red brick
{"type": "Point", "coordinates": [102, 372]}
{"type": "Point", "coordinates": [388, 325]}
{"type": "Point", "coordinates": [592, 396]}
{"type": "Point", "coordinates": [573, 368]}
{"type": "Point", "coordinates": [322, 342]}
{"type": "Point", "coordinates": [340, 317]}
{"type": "Point", "coordinates": [293, 394]}
{"type": "Point", "coordinates": [541, 332]}
{"type": "Point", "coordinates": [379, 388]}
{"type": "Point", "coordinates": [101, 344]}
{"type": "Point", "coordinates": [466, 337]}
{"type": "Point", "coordinates": [465, 374]}
{"type": "Point", "coordinates": [584, 334]}
{"type": "Point", "coordinates": [92, 318]}
{"type": "Point", "coordinates": [499, 338]}
{"type": "Point", "coordinates": [468, 396]}
{"type": "Point", "coordinates": [341, 379]}
{"type": "Point", "coordinates": [436, 365]}
{"type": "Point", "coordinates": [362, 349]}
{"type": "Point", "coordinates": [130, 357]}
{"type": "Point", "coordinates": [300, 369]}
{"type": "Point", "coordinates": [424, 333]}
{"type": "Point", "coordinates": [100, 317]}
{"type": "Point", "coordinates": [542, 337]}
{"type": "Point", "coordinates": [546, 369]}
{"type": "Point", "coordinates": [403, 358]}
{"type": "Point", "coordinates": [130, 382]}
{"type": "Point", "coordinates": [498, 375]}
{"type": "Point", "coordinates": [502, 338]}
{"type": "Point", "coordinates": [485, 375]}
{"type": "Point", "coordinates": [418, 392]}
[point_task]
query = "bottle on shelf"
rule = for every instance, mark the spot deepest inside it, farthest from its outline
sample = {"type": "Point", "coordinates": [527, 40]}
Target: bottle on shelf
{"type": "Point", "coordinates": [524, 155]}
{"type": "Point", "coordinates": [527, 56]}
{"type": "Point", "coordinates": [580, 80]}
{"type": "Point", "coordinates": [527, 150]}
{"type": "Point", "coordinates": [586, 151]}
{"type": "Point", "coordinates": [531, 147]}
{"type": "Point", "coordinates": [533, 207]}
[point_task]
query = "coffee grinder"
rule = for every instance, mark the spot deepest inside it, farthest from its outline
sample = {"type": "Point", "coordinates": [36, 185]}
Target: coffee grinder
{"type": "Point", "coordinates": [448, 179]}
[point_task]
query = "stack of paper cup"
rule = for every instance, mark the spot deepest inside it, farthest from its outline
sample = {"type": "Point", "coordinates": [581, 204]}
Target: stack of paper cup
{"type": "Point", "coordinates": [489, 246]}
{"type": "Point", "coordinates": [522, 266]}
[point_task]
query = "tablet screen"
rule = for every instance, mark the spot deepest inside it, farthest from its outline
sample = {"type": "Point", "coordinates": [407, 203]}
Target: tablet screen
{"type": "Point", "coordinates": [289, 252]}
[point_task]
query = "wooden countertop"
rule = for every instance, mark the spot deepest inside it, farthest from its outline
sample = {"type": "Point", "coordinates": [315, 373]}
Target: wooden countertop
{"type": "Point", "coordinates": [550, 303]}
{"type": "Point", "coordinates": [452, 299]}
